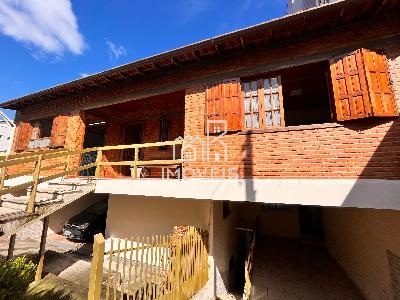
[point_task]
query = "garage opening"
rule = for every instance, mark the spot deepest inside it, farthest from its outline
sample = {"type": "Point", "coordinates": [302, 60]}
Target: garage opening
{"type": "Point", "coordinates": [294, 254]}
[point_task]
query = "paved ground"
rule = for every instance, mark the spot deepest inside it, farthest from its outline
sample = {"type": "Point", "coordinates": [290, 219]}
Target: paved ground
{"type": "Point", "coordinates": [286, 269]}
{"type": "Point", "coordinates": [61, 256]}
{"type": "Point", "coordinates": [28, 241]}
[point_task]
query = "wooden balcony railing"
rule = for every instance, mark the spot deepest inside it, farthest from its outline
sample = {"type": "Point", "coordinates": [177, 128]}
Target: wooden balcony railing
{"type": "Point", "coordinates": [35, 163]}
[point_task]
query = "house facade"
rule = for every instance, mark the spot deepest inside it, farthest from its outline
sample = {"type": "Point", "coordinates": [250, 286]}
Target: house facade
{"type": "Point", "coordinates": [290, 128]}
{"type": "Point", "coordinates": [6, 132]}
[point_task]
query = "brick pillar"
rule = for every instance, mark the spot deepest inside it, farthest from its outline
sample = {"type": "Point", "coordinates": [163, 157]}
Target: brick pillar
{"type": "Point", "coordinates": [75, 135]}
{"type": "Point", "coordinates": [195, 102]}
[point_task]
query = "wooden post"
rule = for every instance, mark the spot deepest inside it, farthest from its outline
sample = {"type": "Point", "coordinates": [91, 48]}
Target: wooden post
{"type": "Point", "coordinates": [99, 159]}
{"type": "Point", "coordinates": [3, 171]}
{"type": "Point", "coordinates": [11, 246]}
{"type": "Point", "coordinates": [68, 161]}
{"type": "Point", "coordinates": [136, 161]}
{"type": "Point", "coordinates": [178, 253]}
{"type": "Point", "coordinates": [96, 271]}
{"type": "Point", "coordinates": [42, 248]}
{"type": "Point", "coordinates": [31, 204]}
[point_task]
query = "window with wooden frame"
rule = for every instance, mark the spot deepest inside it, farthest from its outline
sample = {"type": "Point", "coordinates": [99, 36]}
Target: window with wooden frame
{"type": "Point", "coordinates": [59, 131]}
{"type": "Point", "coordinates": [263, 103]}
{"type": "Point", "coordinates": [358, 87]}
{"type": "Point", "coordinates": [361, 85]}
{"type": "Point", "coordinates": [24, 133]}
{"type": "Point", "coordinates": [42, 128]}
{"type": "Point", "coordinates": [41, 133]}
{"type": "Point", "coordinates": [223, 104]}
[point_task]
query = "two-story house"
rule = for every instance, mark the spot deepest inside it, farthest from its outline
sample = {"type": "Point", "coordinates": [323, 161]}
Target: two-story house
{"type": "Point", "coordinates": [289, 128]}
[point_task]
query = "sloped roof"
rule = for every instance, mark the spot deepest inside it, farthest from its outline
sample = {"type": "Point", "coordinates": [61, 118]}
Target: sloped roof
{"type": "Point", "coordinates": [325, 16]}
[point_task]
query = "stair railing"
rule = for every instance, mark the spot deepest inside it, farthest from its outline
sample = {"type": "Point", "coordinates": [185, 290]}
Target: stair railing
{"type": "Point", "coordinates": [36, 163]}
{"type": "Point", "coordinates": [248, 267]}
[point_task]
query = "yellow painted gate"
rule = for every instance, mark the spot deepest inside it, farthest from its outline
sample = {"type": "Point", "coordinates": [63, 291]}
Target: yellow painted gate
{"type": "Point", "coordinates": [157, 267]}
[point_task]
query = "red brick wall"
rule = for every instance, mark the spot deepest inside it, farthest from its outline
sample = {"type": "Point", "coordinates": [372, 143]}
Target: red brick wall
{"type": "Point", "coordinates": [368, 148]}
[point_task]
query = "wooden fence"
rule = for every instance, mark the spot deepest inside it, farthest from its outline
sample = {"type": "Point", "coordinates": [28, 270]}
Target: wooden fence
{"type": "Point", "coordinates": [158, 267]}
{"type": "Point", "coordinates": [248, 267]}
{"type": "Point", "coordinates": [34, 162]}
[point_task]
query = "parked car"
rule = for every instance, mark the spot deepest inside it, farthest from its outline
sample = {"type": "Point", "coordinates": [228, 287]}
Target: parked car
{"type": "Point", "coordinates": [83, 226]}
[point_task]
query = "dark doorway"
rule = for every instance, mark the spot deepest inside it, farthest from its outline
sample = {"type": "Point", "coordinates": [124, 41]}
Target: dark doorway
{"type": "Point", "coordinates": [310, 223]}
{"type": "Point", "coordinates": [94, 137]}
{"type": "Point", "coordinates": [133, 135]}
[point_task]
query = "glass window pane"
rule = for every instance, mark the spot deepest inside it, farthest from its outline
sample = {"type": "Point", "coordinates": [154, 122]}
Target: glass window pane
{"type": "Point", "coordinates": [275, 101]}
{"type": "Point", "coordinates": [255, 103]}
{"type": "Point", "coordinates": [274, 83]}
{"type": "Point", "coordinates": [267, 86]}
{"type": "Point", "coordinates": [248, 120]}
{"type": "Point", "coordinates": [267, 101]}
{"type": "Point", "coordinates": [256, 124]}
{"type": "Point", "coordinates": [246, 89]}
{"type": "Point", "coordinates": [254, 89]}
{"type": "Point", "coordinates": [277, 118]}
{"type": "Point", "coordinates": [268, 118]}
{"type": "Point", "coordinates": [247, 105]}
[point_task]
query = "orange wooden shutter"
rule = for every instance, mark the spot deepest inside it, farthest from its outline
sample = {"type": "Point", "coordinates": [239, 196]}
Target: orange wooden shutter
{"type": "Point", "coordinates": [352, 99]}
{"type": "Point", "coordinates": [24, 136]}
{"type": "Point", "coordinates": [231, 103]}
{"type": "Point", "coordinates": [381, 93]}
{"type": "Point", "coordinates": [59, 131]}
{"type": "Point", "coordinates": [213, 106]}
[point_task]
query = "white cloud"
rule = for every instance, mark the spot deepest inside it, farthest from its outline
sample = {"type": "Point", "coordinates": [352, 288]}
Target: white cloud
{"type": "Point", "coordinates": [83, 75]}
{"type": "Point", "coordinates": [114, 51]}
{"type": "Point", "coordinates": [194, 7]}
{"type": "Point", "coordinates": [189, 9]}
{"type": "Point", "coordinates": [50, 26]}
{"type": "Point", "coordinates": [246, 5]}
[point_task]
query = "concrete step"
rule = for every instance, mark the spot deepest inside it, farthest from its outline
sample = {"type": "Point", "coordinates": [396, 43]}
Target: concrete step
{"type": "Point", "coordinates": [13, 209]}
{"type": "Point", "coordinates": [12, 218]}
{"type": "Point", "coordinates": [18, 203]}
{"type": "Point", "coordinates": [21, 203]}
{"type": "Point", "coordinates": [52, 193]}
{"type": "Point", "coordinates": [65, 185]}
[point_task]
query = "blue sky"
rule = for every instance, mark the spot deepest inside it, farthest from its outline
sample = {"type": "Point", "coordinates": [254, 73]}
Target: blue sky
{"type": "Point", "coordinates": [44, 43]}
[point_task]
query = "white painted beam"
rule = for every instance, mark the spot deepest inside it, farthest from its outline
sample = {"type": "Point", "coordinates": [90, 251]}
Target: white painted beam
{"type": "Point", "coordinates": [362, 193]}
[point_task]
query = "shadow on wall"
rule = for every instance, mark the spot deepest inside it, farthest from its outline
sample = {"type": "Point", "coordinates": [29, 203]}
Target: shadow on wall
{"type": "Point", "coordinates": [370, 233]}
{"type": "Point", "coordinates": [248, 168]}
{"type": "Point", "coordinates": [382, 165]}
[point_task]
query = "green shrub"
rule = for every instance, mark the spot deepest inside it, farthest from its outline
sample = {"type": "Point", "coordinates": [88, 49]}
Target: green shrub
{"type": "Point", "coordinates": [15, 276]}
